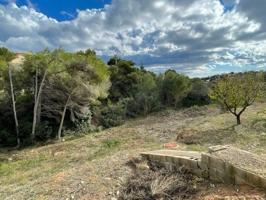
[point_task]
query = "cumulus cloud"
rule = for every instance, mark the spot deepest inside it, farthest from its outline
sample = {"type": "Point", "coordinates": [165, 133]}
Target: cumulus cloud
{"type": "Point", "coordinates": [196, 37]}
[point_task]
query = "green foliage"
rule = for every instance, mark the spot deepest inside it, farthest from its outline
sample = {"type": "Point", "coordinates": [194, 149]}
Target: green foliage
{"type": "Point", "coordinates": [44, 131]}
{"type": "Point", "coordinates": [110, 143]}
{"type": "Point", "coordinates": [124, 79]}
{"type": "Point", "coordinates": [82, 75]}
{"type": "Point", "coordinates": [146, 98]}
{"type": "Point", "coordinates": [198, 95]}
{"type": "Point", "coordinates": [6, 55]}
{"type": "Point", "coordinates": [236, 92]}
{"type": "Point", "coordinates": [111, 114]}
{"type": "Point", "coordinates": [80, 92]}
{"type": "Point", "coordinates": [174, 87]}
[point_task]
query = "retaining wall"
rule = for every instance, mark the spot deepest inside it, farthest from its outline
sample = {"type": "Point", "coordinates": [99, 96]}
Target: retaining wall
{"type": "Point", "coordinates": [207, 165]}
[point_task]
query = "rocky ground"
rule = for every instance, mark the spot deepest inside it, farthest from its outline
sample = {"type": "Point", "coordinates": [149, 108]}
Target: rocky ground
{"type": "Point", "coordinates": [96, 166]}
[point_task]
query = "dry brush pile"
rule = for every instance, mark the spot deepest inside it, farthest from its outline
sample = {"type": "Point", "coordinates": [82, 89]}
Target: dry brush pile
{"type": "Point", "coordinates": [159, 184]}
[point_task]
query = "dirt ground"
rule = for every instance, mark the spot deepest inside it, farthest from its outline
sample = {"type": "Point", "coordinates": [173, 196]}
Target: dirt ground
{"type": "Point", "coordinates": [94, 166]}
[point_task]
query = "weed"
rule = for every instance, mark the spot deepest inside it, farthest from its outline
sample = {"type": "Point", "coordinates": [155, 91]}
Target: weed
{"type": "Point", "coordinates": [110, 143]}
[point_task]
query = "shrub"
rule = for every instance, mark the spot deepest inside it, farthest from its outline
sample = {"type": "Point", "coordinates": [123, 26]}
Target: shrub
{"type": "Point", "coordinates": [111, 114]}
{"type": "Point", "coordinates": [173, 88]}
{"type": "Point", "coordinates": [44, 131]}
{"type": "Point", "coordinates": [198, 95]}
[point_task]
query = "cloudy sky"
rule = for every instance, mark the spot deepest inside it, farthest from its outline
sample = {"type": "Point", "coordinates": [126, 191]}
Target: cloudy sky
{"type": "Point", "coordinates": [195, 37]}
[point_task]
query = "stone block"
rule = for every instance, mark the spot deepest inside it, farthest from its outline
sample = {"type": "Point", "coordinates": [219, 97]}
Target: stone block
{"type": "Point", "coordinates": [253, 179]}
{"type": "Point", "coordinates": [217, 163]}
{"type": "Point", "coordinates": [229, 175]}
{"type": "Point", "coordinates": [217, 148]}
{"type": "Point", "coordinates": [205, 161]}
{"type": "Point", "coordinates": [218, 166]}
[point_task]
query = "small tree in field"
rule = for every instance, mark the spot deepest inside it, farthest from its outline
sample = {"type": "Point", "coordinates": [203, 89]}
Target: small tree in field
{"type": "Point", "coordinates": [237, 92]}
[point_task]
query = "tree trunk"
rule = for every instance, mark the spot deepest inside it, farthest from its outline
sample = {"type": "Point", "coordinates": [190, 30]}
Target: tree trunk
{"type": "Point", "coordinates": [62, 119]}
{"type": "Point", "coordinates": [238, 119]}
{"type": "Point", "coordinates": [36, 105]}
{"type": "Point", "coordinates": [145, 107]}
{"type": "Point", "coordinates": [14, 105]}
{"type": "Point", "coordinates": [36, 85]}
{"type": "Point", "coordinates": [35, 96]}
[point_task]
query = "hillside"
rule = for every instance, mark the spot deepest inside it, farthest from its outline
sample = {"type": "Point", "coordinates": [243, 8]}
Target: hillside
{"type": "Point", "coordinates": [94, 166]}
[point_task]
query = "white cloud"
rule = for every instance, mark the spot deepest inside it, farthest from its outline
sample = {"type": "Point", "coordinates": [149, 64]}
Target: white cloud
{"type": "Point", "coordinates": [186, 35]}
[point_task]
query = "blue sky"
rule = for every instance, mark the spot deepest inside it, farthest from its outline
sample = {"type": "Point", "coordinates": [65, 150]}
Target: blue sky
{"type": "Point", "coordinates": [63, 9]}
{"type": "Point", "coordinates": [194, 37]}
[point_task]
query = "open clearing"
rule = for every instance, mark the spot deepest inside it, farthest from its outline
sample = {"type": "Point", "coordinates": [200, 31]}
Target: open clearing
{"type": "Point", "coordinates": [94, 166]}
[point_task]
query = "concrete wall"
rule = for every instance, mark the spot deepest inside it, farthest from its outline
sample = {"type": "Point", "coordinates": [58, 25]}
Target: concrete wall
{"type": "Point", "coordinates": [210, 167]}
{"type": "Point", "coordinates": [222, 171]}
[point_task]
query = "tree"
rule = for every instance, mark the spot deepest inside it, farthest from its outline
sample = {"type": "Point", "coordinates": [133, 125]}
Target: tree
{"type": "Point", "coordinates": [40, 66]}
{"type": "Point", "coordinates": [83, 81]}
{"type": "Point", "coordinates": [114, 61]}
{"type": "Point", "coordinates": [123, 76]}
{"type": "Point", "coordinates": [198, 95]}
{"type": "Point", "coordinates": [146, 98]}
{"type": "Point", "coordinates": [5, 67]}
{"type": "Point", "coordinates": [174, 87]}
{"type": "Point", "coordinates": [237, 92]}
{"type": "Point", "coordinates": [47, 90]}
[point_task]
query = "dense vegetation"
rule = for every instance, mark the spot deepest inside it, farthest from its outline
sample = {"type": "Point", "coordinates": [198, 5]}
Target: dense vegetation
{"type": "Point", "coordinates": [54, 93]}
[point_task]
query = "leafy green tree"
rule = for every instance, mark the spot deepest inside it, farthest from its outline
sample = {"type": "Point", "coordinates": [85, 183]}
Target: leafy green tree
{"type": "Point", "coordinates": [114, 61]}
{"type": "Point", "coordinates": [198, 95]}
{"type": "Point", "coordinates": [124, 80]}
{"type": "Point", "coordinates": [39, 67]}
{"type": "Point", "coordinates": [237, 92]}
{"type": "Point", "coordinates": [146, 98]}
{"type": "Point", "coordinates": [49, 87]}
{"type": "Point", "coordinates": [84, 80]}
{"type": "Point", "coordinates": [174, 87]}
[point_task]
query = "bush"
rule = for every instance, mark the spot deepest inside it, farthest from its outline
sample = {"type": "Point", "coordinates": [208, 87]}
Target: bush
{"type": "Point", "coordinates": [111, 114]}
{"type": "Point", "coordinates": [173, 88]}
{"type": "Point", "coordinates": [7, 138]}
{"type": "Point", "coordinates": [198, 96]}
{"type": "Point", "coordinates": [142, 105]}
{"type": "Point", "coordinates": [44, 131]}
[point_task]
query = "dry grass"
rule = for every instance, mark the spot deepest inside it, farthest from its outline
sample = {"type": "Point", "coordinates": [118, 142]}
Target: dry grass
{"type": "Point", "coordinates": [93, 166]}
{"type": "Point", "coordinates": [159, 184]}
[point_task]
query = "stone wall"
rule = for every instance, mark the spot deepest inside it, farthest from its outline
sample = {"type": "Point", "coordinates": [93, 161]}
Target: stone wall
{"type": "Point", "coordinates": [210, 165]}
{"type": "Point", "coordinates": [219, 170]}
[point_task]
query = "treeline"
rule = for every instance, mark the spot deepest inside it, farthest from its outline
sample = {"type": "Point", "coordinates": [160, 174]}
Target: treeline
{"type": "Point", "coordinates": [54, 93]}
